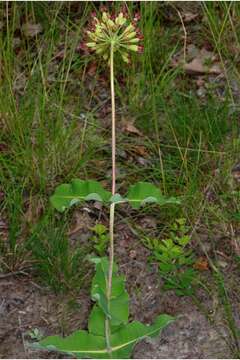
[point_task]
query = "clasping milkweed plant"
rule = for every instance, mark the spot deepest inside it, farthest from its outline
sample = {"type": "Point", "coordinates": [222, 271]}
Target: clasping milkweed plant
{"type": "Point", "coordinates": [109, 334]}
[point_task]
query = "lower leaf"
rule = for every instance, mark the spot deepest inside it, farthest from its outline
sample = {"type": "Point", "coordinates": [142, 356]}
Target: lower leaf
{"type": "Point", "coordinates": [82, 344]}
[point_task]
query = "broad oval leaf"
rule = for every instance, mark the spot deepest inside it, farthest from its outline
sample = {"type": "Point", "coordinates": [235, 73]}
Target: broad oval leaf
{"type": "Point", "coordinates": [66, 195]}
{"type": "Point", "coordinates": [143, 192]}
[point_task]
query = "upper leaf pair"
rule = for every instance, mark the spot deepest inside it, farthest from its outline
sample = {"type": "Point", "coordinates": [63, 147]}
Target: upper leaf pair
{"type": "Point", "coordinates": [77, 191]}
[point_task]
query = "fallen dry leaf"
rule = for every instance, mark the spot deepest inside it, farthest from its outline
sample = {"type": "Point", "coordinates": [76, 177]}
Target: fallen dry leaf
{"type": "Point", "coordinates": [196, 66]}
{"type": "Point", "coordinates": [201, 264]}
{"type": "Point", "coordinates": [31, 30]}
{"type": "Point", "coordinates": [130, 128]}
{"type": "Point", "coordinates": [198, 61]}
{"type": "Point", "coordinates": [188, 17]}
{"type": "Point", "coordinates": [140, 150]}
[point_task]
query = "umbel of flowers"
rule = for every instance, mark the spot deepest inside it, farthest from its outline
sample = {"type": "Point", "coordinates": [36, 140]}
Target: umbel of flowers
{"type": "Point", "coordinates": [116, 30]}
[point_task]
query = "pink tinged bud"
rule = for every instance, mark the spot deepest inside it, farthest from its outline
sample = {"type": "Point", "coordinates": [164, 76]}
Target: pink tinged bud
{"type": "Point", "coordinates": [103, 8]}
{"type": "Point", "coordinates": [140, 49]}
{"type": "Point", "coordinates": [138, 31]}
{"type": "Point", "coordinates": [113, 17]}
{"type": "Point", "coordinates": [124, 10]}
{"type": "Point", "coordinates": [137, 17]}
{"type": "Point", "coordinates": [93, 14]}
{"type": "Point", "coordinates": [140, 36]}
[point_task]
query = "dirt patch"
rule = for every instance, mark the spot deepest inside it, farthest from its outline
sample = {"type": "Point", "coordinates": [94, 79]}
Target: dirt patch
{"type": "Point", "coordinates": [189, 337]}
{"type": "Point", "coordinates": [25, 307]}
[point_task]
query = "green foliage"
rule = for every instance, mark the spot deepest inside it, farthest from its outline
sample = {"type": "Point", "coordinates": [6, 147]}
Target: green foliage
{"type": "Point", "coordinates": [100, 238]}
{"type": "Point", "coordinates": [58, 264]}
{"type": "Point", "coordinates": [67, 195]}
{"type": "Point", "coordinates": [174, 259]}
{"type": "Point", "coordinates": [123, 335]}
{"type": "Point", "coordinates": [143, 192]}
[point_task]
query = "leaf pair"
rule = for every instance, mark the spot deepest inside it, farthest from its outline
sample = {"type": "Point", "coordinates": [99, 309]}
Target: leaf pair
{"type": "Point", "coordinates": [78, 191]}
{"type": "Point", "coordinates": [124, 335]}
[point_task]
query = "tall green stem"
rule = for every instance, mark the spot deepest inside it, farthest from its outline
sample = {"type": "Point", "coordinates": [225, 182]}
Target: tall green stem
{"type": "Point", "coordinates": [113, 119]}
{"type": "Point", "coordinates": [112, 206]}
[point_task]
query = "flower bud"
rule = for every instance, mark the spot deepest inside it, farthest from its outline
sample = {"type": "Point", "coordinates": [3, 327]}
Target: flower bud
{"type": "Point", "coordinates": [91, 45]}
{"type": "Point", "coordinates": [130, 28]}
{"type": "Point", "coordinates": [105, 17]}
{"type": "Point", "coordinates": [133, 47]}
{"type": "Point", "coordinates": [130, 35]}
{"type": "Point", "coordinates": [110, 23]}
{"type": "Point", "coordinates": [137, 17]}
{"type": "Point", "coordinates": [120, 20]}
{"type": "Point", "coordinates": [134, 40]}
{"type": "Point", "coordinates": [125, 57]}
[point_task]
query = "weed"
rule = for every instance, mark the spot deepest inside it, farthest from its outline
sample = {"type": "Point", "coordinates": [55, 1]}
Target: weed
{"type": "Point", "coordinates": [35, 334]}
{"type": "Point", "coordinates": [58, 265]}
{"type": "Point", "coordinates": [174, 259]}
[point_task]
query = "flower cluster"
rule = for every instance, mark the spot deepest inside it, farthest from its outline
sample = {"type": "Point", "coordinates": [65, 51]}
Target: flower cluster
{"type": "Point", "coordinates": [115, 31]}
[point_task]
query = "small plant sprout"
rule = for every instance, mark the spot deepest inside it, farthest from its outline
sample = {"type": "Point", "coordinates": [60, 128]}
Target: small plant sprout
{"type": "Point", "coordinates": [109, 334]}
{"type": "Point", "coordinates": [100, 238]}
{"type": "Point", "coordinates": [175, 259]}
